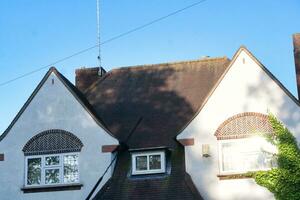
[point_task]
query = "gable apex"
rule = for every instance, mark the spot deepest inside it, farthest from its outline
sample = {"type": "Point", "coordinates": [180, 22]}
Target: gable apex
{"type": "Point", "coordinates": [52, 69]}
{"type": "Point", "coordinates": [70, 87]}
{"type": "Point", "coordinates": [265, 69]}
{"type": "Point", "coordinates": [240, 50]}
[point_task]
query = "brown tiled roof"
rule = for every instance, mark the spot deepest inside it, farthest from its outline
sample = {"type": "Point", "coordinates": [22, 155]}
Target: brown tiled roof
{"type": "Point", "coordinates": [167, 96]}
{"type": "Point", "coordinates": [176, 186]}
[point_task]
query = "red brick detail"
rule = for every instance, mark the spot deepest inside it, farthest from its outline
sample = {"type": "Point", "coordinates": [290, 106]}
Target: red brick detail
{"type": "Point", "coordinates": [244, 125]}
{"type": "Point", "coordinates": [296, 41]}
{"type": "Point", "coordinates": [1, 157]}
{"type": "Point", "coordinates": [186, 142]}
{"type": "Point", "coordinates": [109, 148]}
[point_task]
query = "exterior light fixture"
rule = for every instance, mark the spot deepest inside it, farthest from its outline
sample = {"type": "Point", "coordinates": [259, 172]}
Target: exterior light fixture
{"type": "Point", "coordinates": [205, 150]}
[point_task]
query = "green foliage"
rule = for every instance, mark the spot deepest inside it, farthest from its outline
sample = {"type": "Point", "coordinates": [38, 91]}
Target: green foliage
{"type": "Point", "coordinates": [284, 180]}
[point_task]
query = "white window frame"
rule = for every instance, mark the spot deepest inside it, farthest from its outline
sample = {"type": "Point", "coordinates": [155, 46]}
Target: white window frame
{"type": "Point", "coordinates": [60, 166]}
{"type": "Point", "coordinates": [148, 171]}
{"type": "Point", "coordinates": [226, 172]}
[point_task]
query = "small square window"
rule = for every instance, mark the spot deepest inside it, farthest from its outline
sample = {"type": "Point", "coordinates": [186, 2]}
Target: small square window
{"type": "Point", "coordinates": [154, 162]}
{"type": "Point", "coordinates": [141, 163]}
{"type": "Point", "coordinates": [51, 160]}
{"type": "Point", "coordinates": [148, 162]}
{"type": "Point", "coordinates": [52, 176]}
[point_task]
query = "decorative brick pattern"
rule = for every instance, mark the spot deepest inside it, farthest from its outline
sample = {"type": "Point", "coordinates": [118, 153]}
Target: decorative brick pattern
{"type": "Point", "coordinates": [244, 125]}
{"type": "Point", "coordinates": [1, 157]}
{"type": "Point", "coordinates": [51, 142]}
{"type": "Point", "coordinates": [186, 142]}
{"type": "Point", "coordinates": [109, 148]}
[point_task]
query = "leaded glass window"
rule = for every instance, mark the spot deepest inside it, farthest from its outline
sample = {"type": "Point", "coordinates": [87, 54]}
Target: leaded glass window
{"type": "Point", "coordinates": [34, 171]}
{"type": "Point", "coordinates": [52, 169]}
{"type": "Point", "coordinates": [71, 171]}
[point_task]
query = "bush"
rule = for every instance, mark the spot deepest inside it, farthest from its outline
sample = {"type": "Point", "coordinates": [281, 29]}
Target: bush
{"type": "Point", "coordinates": [284, 180]}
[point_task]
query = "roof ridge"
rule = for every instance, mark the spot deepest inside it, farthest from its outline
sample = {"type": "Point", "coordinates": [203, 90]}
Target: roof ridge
{"type": "Point", "coordinates": [86, 69]}
{"type": "Point", "coordinates": [137, 67]}
{"type": "Point", "coordinates": [140, 67]}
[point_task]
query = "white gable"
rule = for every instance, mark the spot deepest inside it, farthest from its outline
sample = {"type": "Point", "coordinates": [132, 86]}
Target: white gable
{"type": "Point", "coordinates": [54, 107]}
{"type": "Point", "coordinates": [246, 87]}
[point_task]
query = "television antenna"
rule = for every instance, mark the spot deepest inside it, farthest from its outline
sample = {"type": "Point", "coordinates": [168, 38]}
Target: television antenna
{"type": "Point", "coordinates": [98, 34]}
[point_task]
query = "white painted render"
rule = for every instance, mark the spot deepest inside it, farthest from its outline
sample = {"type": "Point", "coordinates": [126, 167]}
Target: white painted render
{"type": "Point", "coordinates": [245, 88]}
{"type": "Point", "coordinates": [54, 107]}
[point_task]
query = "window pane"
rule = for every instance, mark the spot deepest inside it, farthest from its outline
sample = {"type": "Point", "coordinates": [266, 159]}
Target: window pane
{"type": "Point", "coordinates": [34, 171]}
{"type": "Point", "coordinates": [270, 160]}
{"type": "Point", "coordinates": [233, 156]}
{"type": "Point", "coordinates": [52, 160]}
{"type": "Point", "coordinates": [141, 163]}
{"type": "Point", "coordinates": [155, 162]}
{"type": "Point", "coordinates": [51, 176]}
{"type": "Point", "coordinates": [246, 155]}
{"type": "Point", "coordinates": [71, 172]}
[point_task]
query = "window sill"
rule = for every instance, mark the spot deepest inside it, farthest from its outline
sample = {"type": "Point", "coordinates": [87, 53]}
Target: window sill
{"type": "Point", "coordinates": [136, 173]}
{"type": "Point", "coordinates": [51, 188]}
{"type": "Point", "coordinates": [234, 176]}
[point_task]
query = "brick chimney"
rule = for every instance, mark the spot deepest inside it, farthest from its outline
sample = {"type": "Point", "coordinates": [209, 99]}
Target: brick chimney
{"type": "Point", "coordinates": [87, 76]}
{"type": "Point", "coordinates": [296, 39]}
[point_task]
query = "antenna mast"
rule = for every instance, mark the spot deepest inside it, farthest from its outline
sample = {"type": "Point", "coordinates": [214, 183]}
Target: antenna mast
{"type": "Point", "coordinates": [98, 33]}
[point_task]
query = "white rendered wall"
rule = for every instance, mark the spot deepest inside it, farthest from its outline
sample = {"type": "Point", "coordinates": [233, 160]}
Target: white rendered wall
{"type": "Point", "coordinates": [245, 88]}
{"type": "Point", "coordinates": [54, 107]}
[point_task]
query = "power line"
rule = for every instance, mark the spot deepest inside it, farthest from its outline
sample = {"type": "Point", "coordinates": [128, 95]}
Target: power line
{"type": "Point", "coordinates": [49, 65]}
{"type": "Point", "coordinates": [105, 42]}
{"type": "Point", "coordinates": [118, 150]}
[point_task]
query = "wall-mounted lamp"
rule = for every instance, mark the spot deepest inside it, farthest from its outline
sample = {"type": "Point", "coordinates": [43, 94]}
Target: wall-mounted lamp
{"type": "Point", "coordinates": [205, 150]}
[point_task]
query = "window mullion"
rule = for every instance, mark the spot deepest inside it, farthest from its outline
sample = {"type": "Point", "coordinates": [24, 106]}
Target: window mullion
{"type": "Point", "coordinates": [148, 163]}
{"type": "Point", "coordinates": [43, 182]}
{"type": "Point", "coordinates": [162, 161]}
{"type": "Point", "coordinates": [61, 169]}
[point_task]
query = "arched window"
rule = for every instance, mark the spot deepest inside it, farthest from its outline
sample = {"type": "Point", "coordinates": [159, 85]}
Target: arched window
{"type": "Point", "coordinates": [52, 158]}
{"type": "Point", "coordinates": [242, 147]}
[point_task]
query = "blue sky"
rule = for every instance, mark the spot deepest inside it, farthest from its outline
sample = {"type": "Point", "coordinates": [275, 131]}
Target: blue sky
{"type": "Point", "coordinates": [35, 33]}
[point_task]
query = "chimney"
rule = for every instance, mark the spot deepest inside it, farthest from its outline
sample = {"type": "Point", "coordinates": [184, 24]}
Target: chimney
{"type": "Point", "coordinates": [296, 39]}
{"type": "Point", "coordinates": [87, 76]}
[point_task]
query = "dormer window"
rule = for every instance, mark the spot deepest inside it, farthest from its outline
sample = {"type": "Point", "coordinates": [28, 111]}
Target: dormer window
{"type": "Point", "coordinates": [148, 162]}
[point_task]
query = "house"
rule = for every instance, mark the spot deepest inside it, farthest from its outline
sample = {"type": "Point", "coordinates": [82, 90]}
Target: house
{"type": "Point", "coordinates": [184, 130]}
